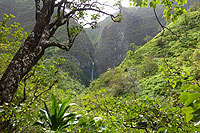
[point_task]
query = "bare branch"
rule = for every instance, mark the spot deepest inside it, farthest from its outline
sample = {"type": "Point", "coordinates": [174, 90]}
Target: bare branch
{"type": "Point", "coordinates": [59, 8]}
{"type": "Point", "coordinates": [50, 87]}
{"type": "Point", "coordinates": [44, 8]}
{"type": "Point", "coordinates": [68, 31]}
{"type": "Point", "coordinates": [91, 9]}
{"type": "Point", "coordinates": [59, 45]}
{"type": "Point", "coordinates": [24, 80]}
{"type": "Point", "coordinates": [164, 27]}
{"type": "Point", "coordinates": [50, 9]}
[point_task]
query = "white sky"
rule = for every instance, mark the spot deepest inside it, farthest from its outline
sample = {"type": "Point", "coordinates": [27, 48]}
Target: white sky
{"type": "Point", "coordinates": [125, 3]}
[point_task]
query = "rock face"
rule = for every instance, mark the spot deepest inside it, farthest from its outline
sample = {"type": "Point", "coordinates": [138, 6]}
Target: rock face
{"type": "Point", "coordinates": [83, 51]}
{"type": "Point", "coordinates": [95, 34]}
{"type": "Point", "coordinates": [80, 57]}
{"type": "Point", "coordinates": [116, 37]}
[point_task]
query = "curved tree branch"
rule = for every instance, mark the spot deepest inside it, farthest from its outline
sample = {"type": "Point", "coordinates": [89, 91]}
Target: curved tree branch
{"type": "Point", "coordinates": [164, 27]}
{"type": "Point", "coordinates": [36, 43]}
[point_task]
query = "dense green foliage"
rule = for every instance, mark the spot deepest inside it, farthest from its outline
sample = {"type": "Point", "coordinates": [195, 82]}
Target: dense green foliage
{"type": "Point", "coordinates": [11, 37]}
{"type": "Point", "coordinates": [45, 78]}
{"type": "Point", "coordinates": [56, 118]}
{"type": "Point", "coordinates": [155, 89]}
{"type": "Point", "coordinates": [173, 9]}
{"type": "Point", "coordinates": [139, 25]}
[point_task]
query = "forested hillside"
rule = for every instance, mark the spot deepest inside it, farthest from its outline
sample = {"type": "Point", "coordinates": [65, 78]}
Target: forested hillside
{"type": "Point", "coordinates": [156, 88]}
{"type": "Point", "coordinates": [146, 91]}
{"type": "Point", "coordinates": [112, 40]}
{"type": "Point", "coordinates": [175, 47]}
{"type": "Point", "coordinates": [138, 24]}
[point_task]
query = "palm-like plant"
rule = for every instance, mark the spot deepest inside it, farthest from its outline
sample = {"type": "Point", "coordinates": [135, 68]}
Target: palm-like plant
{"type": "Point", "coordinates": [57, 119]}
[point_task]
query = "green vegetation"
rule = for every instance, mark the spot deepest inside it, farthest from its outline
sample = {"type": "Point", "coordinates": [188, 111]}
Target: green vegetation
{"type": "Point", "coordinates": [57, 119]}
{"type": "Point", "coordinates": [155, 89]}
{"type": "Point", "coordinates": [11, 37]}
{"type": "Point", "coordinates": [45, 78]}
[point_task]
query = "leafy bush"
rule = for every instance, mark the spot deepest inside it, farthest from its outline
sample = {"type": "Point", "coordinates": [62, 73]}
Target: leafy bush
{"type": "Point", "coordinates": [56, 119]}
{"type": "Point", "coordinates": [148, 68]}
{"type": "Point", "coordinates": [11, 37]}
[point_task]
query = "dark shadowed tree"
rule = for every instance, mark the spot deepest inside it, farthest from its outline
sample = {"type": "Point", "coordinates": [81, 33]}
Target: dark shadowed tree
{"type": "Point", "coordinates": [52, 14]}
{"type": "Point", "coordinates": [49, 16]}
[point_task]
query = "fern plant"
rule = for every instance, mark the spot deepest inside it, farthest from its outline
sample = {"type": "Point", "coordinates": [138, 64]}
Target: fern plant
{"type": "Point", "coordinates": [56, 118]}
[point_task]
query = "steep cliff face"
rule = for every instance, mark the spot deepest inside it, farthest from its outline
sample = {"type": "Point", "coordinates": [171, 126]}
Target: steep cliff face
{"type": "Point", "coordinates": [151, 69]}
{"type": "Point", "coordinates": [116, 37]}
{"type": "Point", "coordinates": [95, 34]}
{"type": "Point", "coordinates": [80, 56]}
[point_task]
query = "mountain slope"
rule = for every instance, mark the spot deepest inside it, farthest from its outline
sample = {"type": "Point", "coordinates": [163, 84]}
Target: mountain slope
{"type": "Point", "coordinates": [116, 37]}
{"type": "Point", "coordinates": [146, 71]}
{"type": "Point", "coordinates": [81, 54]}
{"type": "Point", "coordinates": [95, 34]}
{"type": "Point", "coordinates": [156, 88]}
{"type": "Point", "coordinates": [112, 40]}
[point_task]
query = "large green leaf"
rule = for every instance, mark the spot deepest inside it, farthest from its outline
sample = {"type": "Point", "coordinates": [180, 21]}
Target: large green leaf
{"type": "Point", "coordinates": [46, 108]}
{"type": "Point", "coordinates": [62, 116]}
{"type": "Point", "coordinates": [191, 98]}
{"type": "Point", "coordinates": [153, 4]}
{"type": "Point", "coordinates": [53, 105]}
{"type": "Point", "coordinates": [39, 123]}
{"type": "Point", "coordinates": [55, 123]}
{"type": "Point", "coordinates": [42, 114]}
{"type": "Point", "coordinates": [69, 117]}
{"type": "Point", "coordinates": [183, 97]}
{"type": "Point", "coordinates": [47, 114]}
{"type": "Point", "coordinates": [63, 108]}
{"type": "Point", "coordinates": [188, 111]}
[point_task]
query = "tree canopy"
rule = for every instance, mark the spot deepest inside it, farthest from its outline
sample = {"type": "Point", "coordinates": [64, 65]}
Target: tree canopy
{"type": "Point", "coordinates": [155, 89]}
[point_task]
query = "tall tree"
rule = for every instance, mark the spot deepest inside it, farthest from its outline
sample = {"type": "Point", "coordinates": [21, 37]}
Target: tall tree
{"type": "Point", "coordinates": [49, 16]}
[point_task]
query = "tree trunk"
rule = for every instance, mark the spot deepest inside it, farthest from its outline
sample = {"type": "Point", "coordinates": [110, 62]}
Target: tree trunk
{"type": "Point", "coordinates": [35, 45]}
{"type": "Point", "coordinates": [26, 57]}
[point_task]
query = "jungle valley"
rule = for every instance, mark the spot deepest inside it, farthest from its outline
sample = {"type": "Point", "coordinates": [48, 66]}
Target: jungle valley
{"type": "Point", "coordinates": [139, 75]}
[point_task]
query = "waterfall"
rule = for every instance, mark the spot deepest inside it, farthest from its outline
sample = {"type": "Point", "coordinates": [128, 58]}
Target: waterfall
{"type": "Point", "coordinates": [92, 72]}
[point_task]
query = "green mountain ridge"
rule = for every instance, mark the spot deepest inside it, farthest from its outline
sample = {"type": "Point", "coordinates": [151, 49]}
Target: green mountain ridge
{"type": "Point", "coordinates": [106, 45]}
{"type": "Point", "coordinates": [177, 48]}
{"type": "Point", "coordinates": [155, 88]}
{"type": "Point", "coordinates": [112, 40]}
{"type": "Point", "coordinates": [116, 37]}
{"type": "Point", "coordinates": [95, 34]}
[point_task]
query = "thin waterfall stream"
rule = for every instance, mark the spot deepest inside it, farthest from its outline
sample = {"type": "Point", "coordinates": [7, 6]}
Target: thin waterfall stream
{"type": "Point", "coordinates": [92, 72]}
